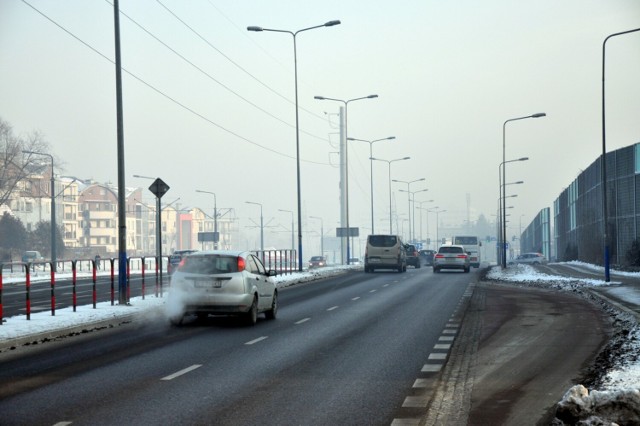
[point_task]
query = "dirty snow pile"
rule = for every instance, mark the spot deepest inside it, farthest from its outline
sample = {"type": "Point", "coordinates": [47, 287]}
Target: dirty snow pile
{"type": "Point", "coordinates": [618, 402]}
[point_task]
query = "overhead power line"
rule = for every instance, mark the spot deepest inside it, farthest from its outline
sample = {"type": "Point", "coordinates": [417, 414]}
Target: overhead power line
{"type": "Point", "coordinates": [166, 96]}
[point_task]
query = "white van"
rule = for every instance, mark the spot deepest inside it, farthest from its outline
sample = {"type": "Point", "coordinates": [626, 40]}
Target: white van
{"type": "Point", "coordinates": [385, 252]}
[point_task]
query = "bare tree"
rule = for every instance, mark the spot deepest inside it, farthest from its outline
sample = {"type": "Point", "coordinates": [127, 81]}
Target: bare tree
{"type": "Point", "coordinates": [14, 164]}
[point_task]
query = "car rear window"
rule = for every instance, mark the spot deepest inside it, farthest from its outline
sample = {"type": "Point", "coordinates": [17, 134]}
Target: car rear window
{"type": "Point", "coordinates": [209, 264]}
{"type": "Point", "coordinates": [451, 250]}
{"type": "Point", "coordinates": [383, 240]}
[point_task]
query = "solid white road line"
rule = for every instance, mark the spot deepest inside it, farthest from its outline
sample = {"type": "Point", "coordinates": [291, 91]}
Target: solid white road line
{"type": "Point", "coordinates": [181, 372]}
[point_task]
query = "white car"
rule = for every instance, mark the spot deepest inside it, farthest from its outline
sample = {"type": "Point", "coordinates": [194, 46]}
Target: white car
{"type": "Point", "coordinates": [530, 258]}
{"type": "Point", "coordinates": [222, 282]}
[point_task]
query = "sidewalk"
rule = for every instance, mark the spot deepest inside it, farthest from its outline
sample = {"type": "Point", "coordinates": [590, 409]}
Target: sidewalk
{"type": "Point", "coordinates": [519, 350]}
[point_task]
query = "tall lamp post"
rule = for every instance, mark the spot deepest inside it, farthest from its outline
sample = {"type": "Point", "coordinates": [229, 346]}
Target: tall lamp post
{"type": "Point", "coordinates": [346, 156]}
{"type": "Point", "coordinates": [501, 237]}
{"type": "Point", "coordinates": [421, 209]}
{"type": "Point", "coordinates": [389, 164]}
{"type": "Point", "coordinates": [295, 72]}
{"type": "Point", "coordinates": [437, 212]}
{"type": "Point", "coordinates": [605, 210]}
{"type": "Point", "coordinates": [53, 211]}
{"type": "Point", "coordinates": [261, 225]}
{"type": "Point", "coordinates": [371, 167]}
{"type": "Point", "coordinates": [412, 199]}
{"type": "Point", "coordinates": [293, 245]}
{"type": "Point", "coordinates": [216, 236]}
{"type": "Point", "coordinates": [409, 196]}
{"type": "Point", "coordinates": [504, 172]}
{"type": "Point", "coordinates": [321, 233]}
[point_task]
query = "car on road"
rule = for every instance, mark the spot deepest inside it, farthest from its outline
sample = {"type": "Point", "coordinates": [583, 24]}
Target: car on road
{"type": "Point", "coordinates": [385, 252]}
{"type": "Point", "coordinates": [317, 262]}
{"type": "Point", "coordinates": [413, 257]}
{"type": "Point", "coordinates": [31, 256]}
{"type": "Point", "coordinates": [451, 257]}
{"type": "Point", "coordinates": [530, 258]}
{"type": "Point", "coordinates": [222, 282]}
{"type": "Point", "coordinates": [355, 261]}
{"type": "Point", "coordinates": [427, 256]}
{"type": "Point", "coordinates": [176, 257]}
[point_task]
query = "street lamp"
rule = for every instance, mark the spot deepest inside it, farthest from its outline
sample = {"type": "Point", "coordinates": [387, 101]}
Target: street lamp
{"type": "Point", "coordinates": [389, 164]}
{"type": "Point", "coordinates": [53, 210]}
{"type": "Point", "coordinates": [437, 212]}
{"type": "Point", "coordinates": [293, 246]}
{"type": "Point", "coordinates": [295, 71]}
{"type": "Point", "coordinates": [412, 199]}
{"type": "Point", "coordinates": [261, 226]}
{"type": "Point", "coordinates": [605, 210]}
{"type": "Point", "coordinates": [501, 237]}
{"type": "Point", "coordinates": [321, 233]}
{"type": "Point", "coordinates": [504, 172]}
{"type": "Point", "coordinates": [371, 167]}
{"type": "Point", "coordinates": [421, 209]}
{"type": "Point", "coordinates": [409, 197]}
{"type": "Point", "coordinates": [346, 156]}
{"type": "Point", "coordinates": [216, 236]}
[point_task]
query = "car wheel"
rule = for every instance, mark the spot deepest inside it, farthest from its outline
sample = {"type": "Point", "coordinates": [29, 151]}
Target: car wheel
{"type": "Point", "coordinates": [176, 320]}
{"type": "Point", "coordinates": [466, 270]}
{"type": "Point", "coordinates": [435, 270]}
{"type": "Point", "coordinates": [418, 266]}
{"type": "Point", "coordinates": [251, 317]}
{"type": "Point", "coordinates": [271, 313]}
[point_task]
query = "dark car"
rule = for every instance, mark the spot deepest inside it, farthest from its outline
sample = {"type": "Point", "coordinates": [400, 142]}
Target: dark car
{"type": "Point", "coordinates": [427, 256]}
{"type": "Point", "coordinates": [317, 262]}
{"type": "Point", "coordinates": [176, 257]}
{"type": "Point", "coordinates": [413, 257]}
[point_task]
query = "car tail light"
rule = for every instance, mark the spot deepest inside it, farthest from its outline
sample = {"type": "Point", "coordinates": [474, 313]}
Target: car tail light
{"type": "Point", "coordinates": [439, 256]}
{"type": "Point", "coordinates": [182, 261]}
{"type": "Point", "coordinates": [461, 256]}
{"type": "Point", "coordinates": [241, 264]}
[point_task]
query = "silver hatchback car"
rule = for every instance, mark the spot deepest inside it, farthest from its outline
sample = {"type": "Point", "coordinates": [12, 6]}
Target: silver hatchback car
{"type": "Point", "coordinates": [222, 282]}
{"type": "Point", "coordinates": [451, 257]}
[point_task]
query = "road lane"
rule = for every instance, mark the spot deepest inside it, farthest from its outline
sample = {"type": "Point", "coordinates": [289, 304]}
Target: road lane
{"type": "Point", "coordinates": [353, 364]}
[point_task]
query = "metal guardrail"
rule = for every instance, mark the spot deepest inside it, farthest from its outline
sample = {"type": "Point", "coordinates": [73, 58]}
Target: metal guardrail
{"type": "Point", "coordinates": [80, 265]}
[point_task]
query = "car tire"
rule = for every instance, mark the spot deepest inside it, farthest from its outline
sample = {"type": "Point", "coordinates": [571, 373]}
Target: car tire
{"type": "Point", "coordinates": [466, 270]}
{"type": "Point", "coordinates": [418, 266]}
{"type": "Point", "coordinates": [251, 317]}
{"type": "Point", "coordinates": [435, 270]}
{"type": "Point", "coordinates": [176, 320]}
{"type": "Point", "coordinates": [273, 312]}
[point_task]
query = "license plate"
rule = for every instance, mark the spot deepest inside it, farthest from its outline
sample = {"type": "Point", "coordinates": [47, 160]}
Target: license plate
{"type": "Point", "coordinates": [207, 283]}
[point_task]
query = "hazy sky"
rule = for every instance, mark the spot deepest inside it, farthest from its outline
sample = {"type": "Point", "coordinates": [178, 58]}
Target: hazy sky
{"type": "Point", "coordinates": [209, 105]}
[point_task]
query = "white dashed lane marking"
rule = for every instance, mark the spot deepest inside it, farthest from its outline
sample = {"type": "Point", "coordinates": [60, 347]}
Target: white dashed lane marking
{"type": "Point", "coordinates": [332, 308]}
{"type": "Point", "coordinates": [181, 372]}
{"type": "Point", "coordinates": [259, 339]}
{"type": "Point", "coordinates": [302, 320]}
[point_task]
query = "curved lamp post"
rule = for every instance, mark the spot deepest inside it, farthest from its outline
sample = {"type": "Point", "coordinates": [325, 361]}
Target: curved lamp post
{"type": "Point", "coordinates": [371, 167]}
{"type": "Point", "coordinates": [346, 156]}
{"type": "Point", "coordinates": [409, 197]}
{"type": "Point", "coordinates": [504, 172]}
{"type": "Point", "coordinates": [295, 72]}
{"type": "Point", "coordinates": [605, 211]}
{"type": "Point", "coordinates": [389, 164]}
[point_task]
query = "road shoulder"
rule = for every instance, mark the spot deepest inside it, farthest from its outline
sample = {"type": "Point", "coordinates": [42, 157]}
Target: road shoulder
{"type": "Point", "coordinates": [519, 350]}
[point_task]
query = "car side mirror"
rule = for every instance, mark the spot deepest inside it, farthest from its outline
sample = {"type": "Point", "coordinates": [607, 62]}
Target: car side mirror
{"type": "Point", "coordinates": [272, 273]}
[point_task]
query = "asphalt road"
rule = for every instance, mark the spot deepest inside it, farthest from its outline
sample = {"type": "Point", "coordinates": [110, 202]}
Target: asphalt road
{"type": "Point", "coordinates": [355, 349]}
